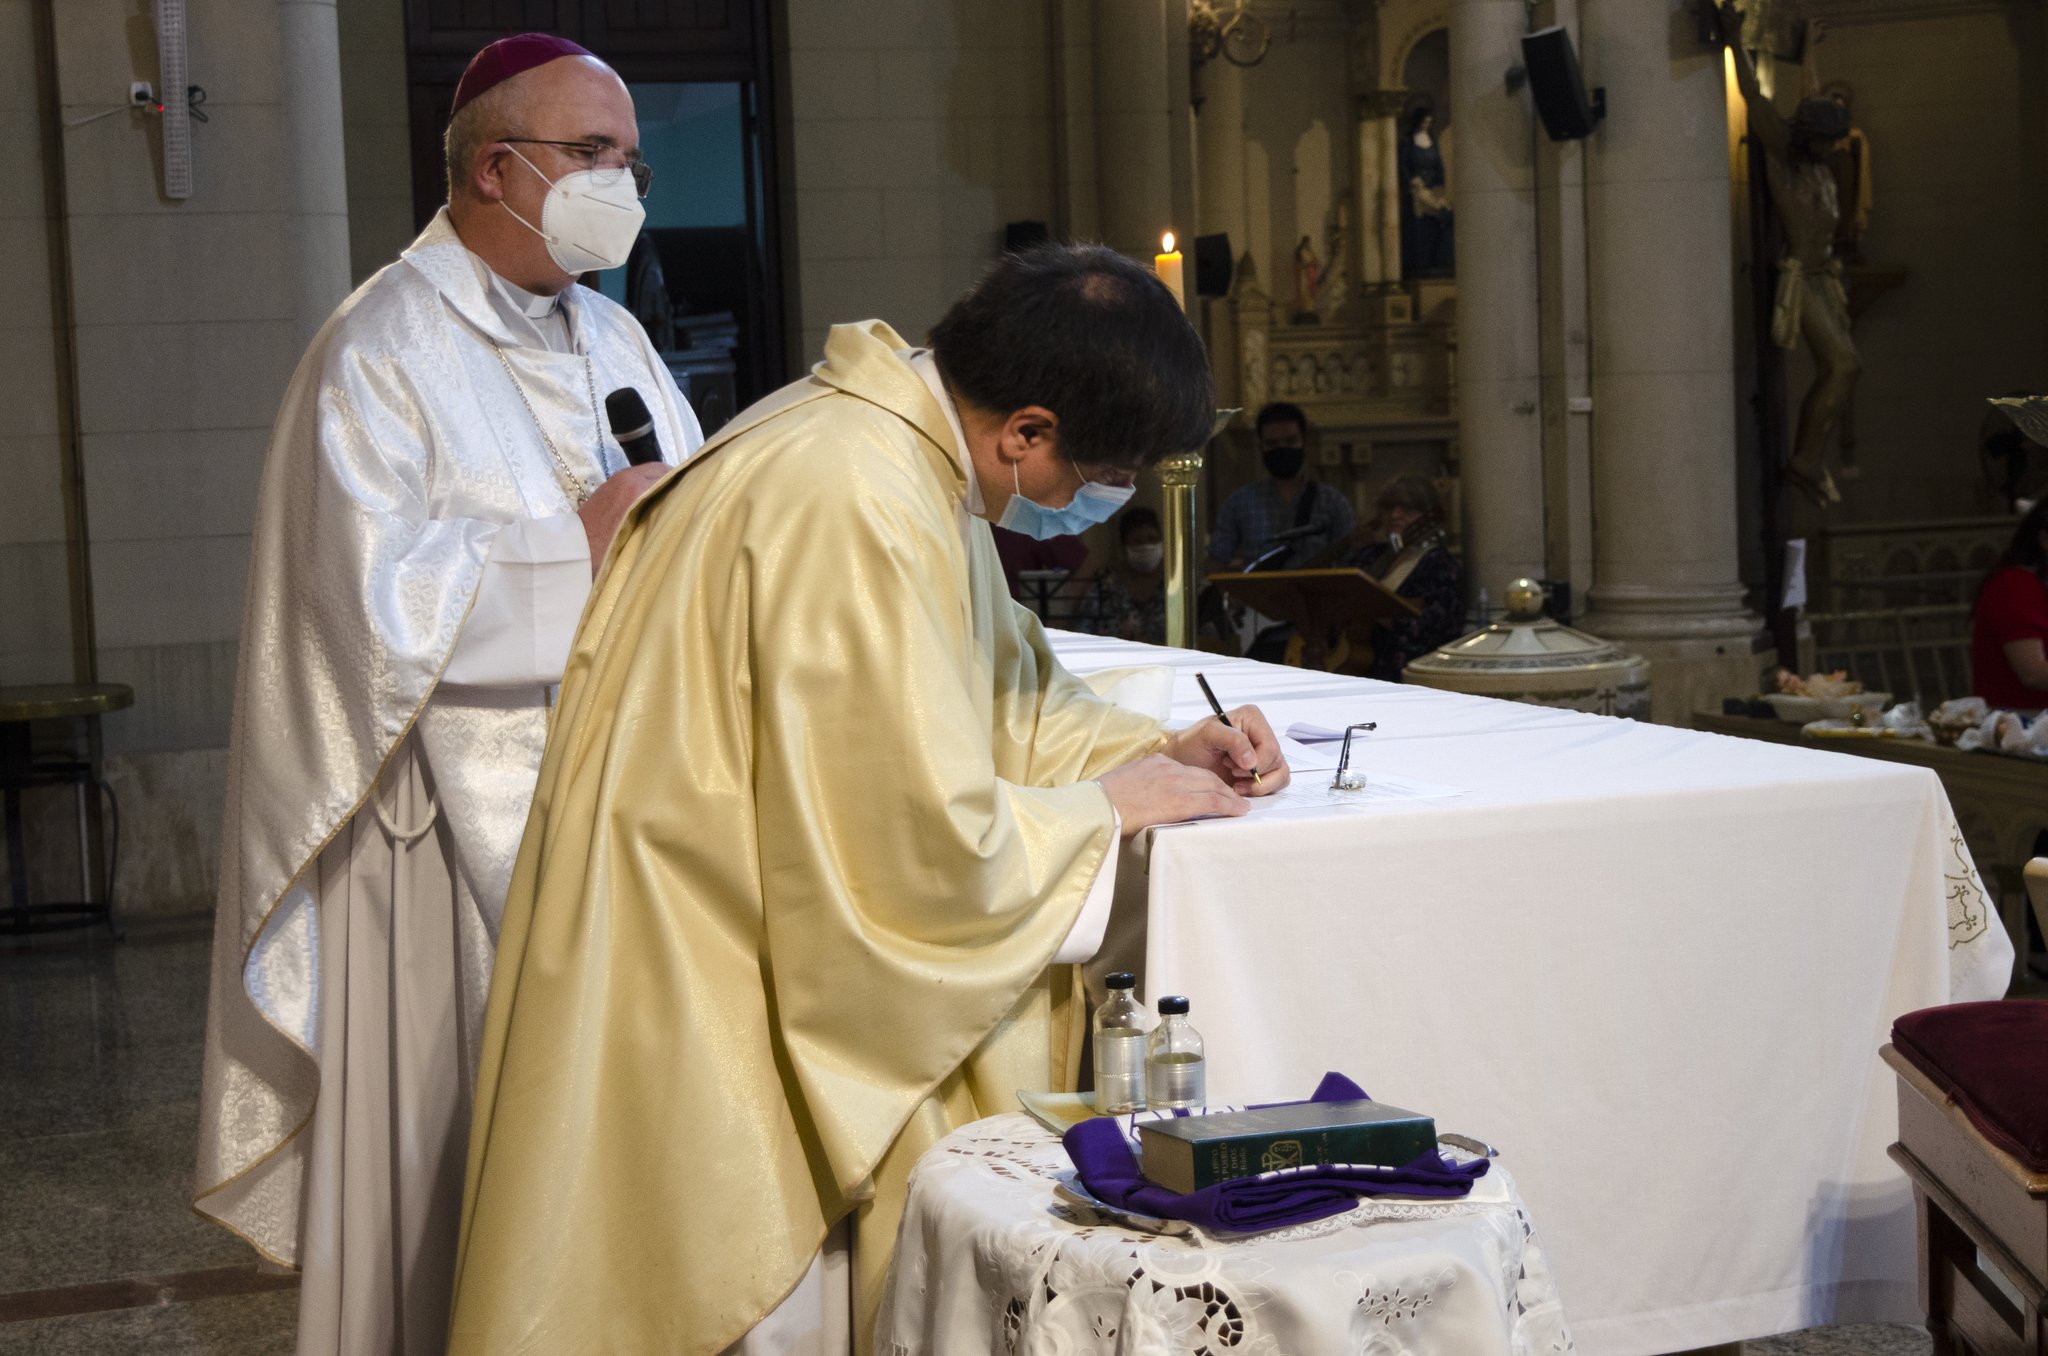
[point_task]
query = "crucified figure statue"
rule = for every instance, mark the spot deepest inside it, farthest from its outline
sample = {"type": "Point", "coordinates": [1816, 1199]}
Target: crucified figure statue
{"type": "Point", "coordinates": [1810, 302]}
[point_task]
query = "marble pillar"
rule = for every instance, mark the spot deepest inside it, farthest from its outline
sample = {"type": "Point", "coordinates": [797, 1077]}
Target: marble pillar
{"type": "Point", "coordinates": [1134, 126]}
{"type": "Point", "coordinates": [316, 179]}
{"type": "Point", "coordinates": [1385, 127]}
{"type": "Point", "coordinates": [1567, 375]}
{"type": "Point", "coordinates": [1499, 393]}
{"type": "Point", "coordinates": [1379, 196]}
{"type": "Point", "coordinates": [1219, 130]}
{"type": "Point", "coordinates": [1666, 580]}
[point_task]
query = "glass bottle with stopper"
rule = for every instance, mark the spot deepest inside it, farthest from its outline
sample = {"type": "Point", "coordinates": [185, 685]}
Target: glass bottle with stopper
{"type": "Point", "coordinates": [1175, 1072]}
{"type": "Point", "coordinates": [1120, 1026]}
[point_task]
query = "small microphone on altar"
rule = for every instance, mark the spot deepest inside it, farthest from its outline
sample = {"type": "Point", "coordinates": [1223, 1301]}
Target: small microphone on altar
{"type": "Point", "coordinates": [633, 426]}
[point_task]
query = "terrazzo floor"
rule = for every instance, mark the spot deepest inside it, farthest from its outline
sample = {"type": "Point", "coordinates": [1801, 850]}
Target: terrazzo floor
{"type": "Point", "coordinates": [99, 1249]}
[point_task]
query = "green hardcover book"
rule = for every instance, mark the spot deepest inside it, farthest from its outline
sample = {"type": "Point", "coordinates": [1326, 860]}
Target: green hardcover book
{"type": "Point", "coordinates": [1188, 1153]}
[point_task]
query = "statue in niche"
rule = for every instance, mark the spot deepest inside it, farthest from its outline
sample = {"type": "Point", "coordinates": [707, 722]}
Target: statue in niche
{"type": "Point", "coordinates": [1810, 303]}
{"type": "Point", "coordinates": [1426, 241]}
{"type": "Point", "coordinates": [1308, 276]}
{"type": "Point", "coordinates": [1335, 288]}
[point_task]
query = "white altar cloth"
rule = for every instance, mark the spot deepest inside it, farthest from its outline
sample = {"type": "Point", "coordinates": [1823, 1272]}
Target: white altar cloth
{"type": "Point", "coordinates": [1653, 965]}
{"type": "Point", "coordinates": [994, 1257]}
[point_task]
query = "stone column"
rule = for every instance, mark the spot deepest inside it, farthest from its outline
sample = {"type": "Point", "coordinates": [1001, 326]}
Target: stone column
{"type": "Point", "coordinates": [1134, 125]}
{"type": "Point", "coordinates": [1379, 196]}
{"type": "Point", "coordinates": [1663, 382]}
{"type": "Point", "coordinates": [1500, 432]}
{"type": "Point", "coordinates": [1567, 394]}
{"type": "Point", "coordinates": [1372, 269]}
{"type": "Point", "coordinates": [1219, 129]}
{"type": "Point", "coordinates": [1385, 127]}
{"type": "Point", "coordinates": [316, 180]}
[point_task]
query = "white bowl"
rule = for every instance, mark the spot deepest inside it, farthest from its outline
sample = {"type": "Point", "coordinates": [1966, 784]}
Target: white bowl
{"type": "Point", "coordinates": [1804, 709]}
{"type": "Point", "coordinates": [1800, 709]}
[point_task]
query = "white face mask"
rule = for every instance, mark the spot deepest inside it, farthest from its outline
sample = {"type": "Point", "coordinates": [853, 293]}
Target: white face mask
{"type": "Point", "coordinates": [1145, 559]}
{"type": "Point", "coordinates": [587, 224]}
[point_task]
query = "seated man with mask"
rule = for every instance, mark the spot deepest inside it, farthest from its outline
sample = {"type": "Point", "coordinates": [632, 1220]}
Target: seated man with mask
{"type": "Point", "coordinates": [821, 826]}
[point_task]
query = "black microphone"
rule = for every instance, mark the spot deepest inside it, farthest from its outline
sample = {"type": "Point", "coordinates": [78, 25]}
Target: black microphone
{"type": "Point", "coordinates": [633, 426]}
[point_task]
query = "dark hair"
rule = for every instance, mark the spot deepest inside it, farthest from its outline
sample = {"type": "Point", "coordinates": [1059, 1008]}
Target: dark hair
{"type": "Point", "coordinates": [1130, 520]}
{"type": "Point", "coordinates": [1416, 115]}
{"type": "Point", "coordinates": [2025, 550]}
{"type": "Point", "coordinates": [1999, 440]}
{"type": "Point", "coordinates": [1414, 493]}
{"type": "Point", "coordinates": [1280, 412]}
{"type": "Point", "coordinates": [1091, 335]}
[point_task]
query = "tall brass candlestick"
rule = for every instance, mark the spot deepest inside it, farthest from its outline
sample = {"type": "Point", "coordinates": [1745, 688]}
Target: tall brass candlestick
{"type": "Point", "coordinates": [1180, 474]}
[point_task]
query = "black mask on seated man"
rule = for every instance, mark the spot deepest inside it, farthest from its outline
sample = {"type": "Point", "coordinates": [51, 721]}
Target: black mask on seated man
{"type": "Point", "coordinates": [1283, 463]}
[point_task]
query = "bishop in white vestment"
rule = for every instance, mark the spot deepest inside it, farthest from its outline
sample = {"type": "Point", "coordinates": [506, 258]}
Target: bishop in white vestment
{"type": "Point", "coordinates": [439, 480]}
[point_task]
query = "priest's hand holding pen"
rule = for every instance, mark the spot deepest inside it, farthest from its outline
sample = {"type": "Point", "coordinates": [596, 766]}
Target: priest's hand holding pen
{"type": "Point", "coordinates": [1238, 746]}
{"type": "Point", "coordinates": [1202, 772]}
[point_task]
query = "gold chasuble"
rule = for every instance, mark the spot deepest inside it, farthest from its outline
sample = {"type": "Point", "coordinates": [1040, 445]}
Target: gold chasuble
{"type": "Point", "coordinates": [814, 817]}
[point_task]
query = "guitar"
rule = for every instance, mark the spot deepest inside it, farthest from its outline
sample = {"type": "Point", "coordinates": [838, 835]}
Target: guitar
{"type": "Point", "coordinates": [1351, 650]}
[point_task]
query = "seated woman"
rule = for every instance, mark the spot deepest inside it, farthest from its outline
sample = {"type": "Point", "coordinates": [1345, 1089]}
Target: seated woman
{"type": "Point", "coordinates": [2009, 625]}
{"type": "Point", "coordinates": [1127, 599]}
{"type": "Point", "coordinates": [1410, 557]}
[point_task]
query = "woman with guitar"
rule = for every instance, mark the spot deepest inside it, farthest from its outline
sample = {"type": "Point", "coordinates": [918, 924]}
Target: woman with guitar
{"type": "Point", "coordinates": [1411, 558]}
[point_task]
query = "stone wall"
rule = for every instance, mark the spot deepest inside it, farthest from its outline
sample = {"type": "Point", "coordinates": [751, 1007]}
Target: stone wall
{"type": "Point", "coordinates": [189, 315]}
{"type": "Point", "coordinates": [375, 132]}
{"type": "Point", "coordinates": [35, 625]}
{"type": "Point", "coordinates": [916, 130]}
{"type": "Point", "coordinates": [1953, 97]}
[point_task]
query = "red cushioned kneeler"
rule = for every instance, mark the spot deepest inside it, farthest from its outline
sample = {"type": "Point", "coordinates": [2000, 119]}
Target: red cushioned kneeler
{"type": "Point", "coordinates": [1973, 1137]}
{"type": "Point", "coordinates": [1992, 1058]}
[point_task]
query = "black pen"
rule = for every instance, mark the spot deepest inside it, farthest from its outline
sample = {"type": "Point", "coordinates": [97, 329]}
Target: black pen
{"type": "Point", "coordinates": [1217, 707]}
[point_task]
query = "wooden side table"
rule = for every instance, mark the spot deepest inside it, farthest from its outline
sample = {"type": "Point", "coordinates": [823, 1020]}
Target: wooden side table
{"type": "Point", "coordinates": [82, 705]}
{"type": "Point", "coordinates": [1975, 1202]}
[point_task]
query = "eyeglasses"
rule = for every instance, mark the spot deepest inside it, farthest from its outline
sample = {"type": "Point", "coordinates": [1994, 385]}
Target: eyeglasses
{"type": "Point", "coordinates": [643, 173]}
{"type": "Point", "coordinates": [1114, 477]}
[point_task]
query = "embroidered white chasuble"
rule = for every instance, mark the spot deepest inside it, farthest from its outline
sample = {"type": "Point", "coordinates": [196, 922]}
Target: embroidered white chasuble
{"type": "Point", "coordinates": [413, 529]}
{"type": "Point", "coordinates": [816, 814]}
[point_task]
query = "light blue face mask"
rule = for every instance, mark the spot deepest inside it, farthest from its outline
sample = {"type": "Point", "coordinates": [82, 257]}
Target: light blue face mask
{"type": "Point", "coordinates": [1091, 504]}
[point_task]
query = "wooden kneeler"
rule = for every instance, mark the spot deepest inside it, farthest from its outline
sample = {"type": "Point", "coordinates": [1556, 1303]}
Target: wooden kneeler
{"type": "Point", "coordinates": [1971, 1198]}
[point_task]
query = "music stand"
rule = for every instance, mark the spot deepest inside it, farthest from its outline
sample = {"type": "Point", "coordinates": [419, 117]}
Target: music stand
{"type": "Point", "coordinates": [1317, 602]}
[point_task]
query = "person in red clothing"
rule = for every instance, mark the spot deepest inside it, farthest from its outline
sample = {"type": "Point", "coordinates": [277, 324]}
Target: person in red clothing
{"type": "Point", "coordinates": [2009, 625]}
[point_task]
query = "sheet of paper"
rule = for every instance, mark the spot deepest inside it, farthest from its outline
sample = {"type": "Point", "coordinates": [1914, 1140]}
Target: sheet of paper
{"type": "Point", "coordinates": [1312, 794]}
{"type": "Point", "coordinates": [1310, 757]}
{"type": "Point", "coordinates": [1306, 733]}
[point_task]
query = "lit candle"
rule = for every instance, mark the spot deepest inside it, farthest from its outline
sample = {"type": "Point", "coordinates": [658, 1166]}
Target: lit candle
{"type": "Point", "coordinates": [1167, 265]}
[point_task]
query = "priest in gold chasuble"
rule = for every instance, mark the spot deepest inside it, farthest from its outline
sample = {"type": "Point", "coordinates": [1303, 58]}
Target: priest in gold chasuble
{"type": "Point", "coordinates": [819, 810]}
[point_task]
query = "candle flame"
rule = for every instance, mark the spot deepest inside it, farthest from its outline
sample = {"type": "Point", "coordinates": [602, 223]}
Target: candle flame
{"type": "Point", "coordinates": [1166, 243]}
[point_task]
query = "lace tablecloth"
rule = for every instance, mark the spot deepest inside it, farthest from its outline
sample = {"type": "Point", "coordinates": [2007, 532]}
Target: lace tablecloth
{"type": "Point", "coordinates": [1001, 1252]}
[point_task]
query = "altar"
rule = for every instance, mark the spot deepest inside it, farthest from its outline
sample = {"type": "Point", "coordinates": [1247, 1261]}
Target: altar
{"type": "Point", "coordinates": [1653, 965]}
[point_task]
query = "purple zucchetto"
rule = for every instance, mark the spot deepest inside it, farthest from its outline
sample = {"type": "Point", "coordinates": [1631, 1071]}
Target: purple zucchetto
{"type": "Point", "coordinates": [508, 57]}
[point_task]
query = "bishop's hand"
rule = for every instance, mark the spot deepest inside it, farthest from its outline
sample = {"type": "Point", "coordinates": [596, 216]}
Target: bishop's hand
{"type": "Point", "coordinates": [606, 509]}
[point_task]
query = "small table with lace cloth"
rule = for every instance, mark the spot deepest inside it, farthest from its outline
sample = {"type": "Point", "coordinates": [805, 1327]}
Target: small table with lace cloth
{"type": "Point", "coordinates": [1001, 1250]}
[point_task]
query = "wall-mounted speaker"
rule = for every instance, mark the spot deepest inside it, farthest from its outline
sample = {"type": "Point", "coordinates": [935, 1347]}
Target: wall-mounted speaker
{"type": "Point", "coordinates": [1559, 90]}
